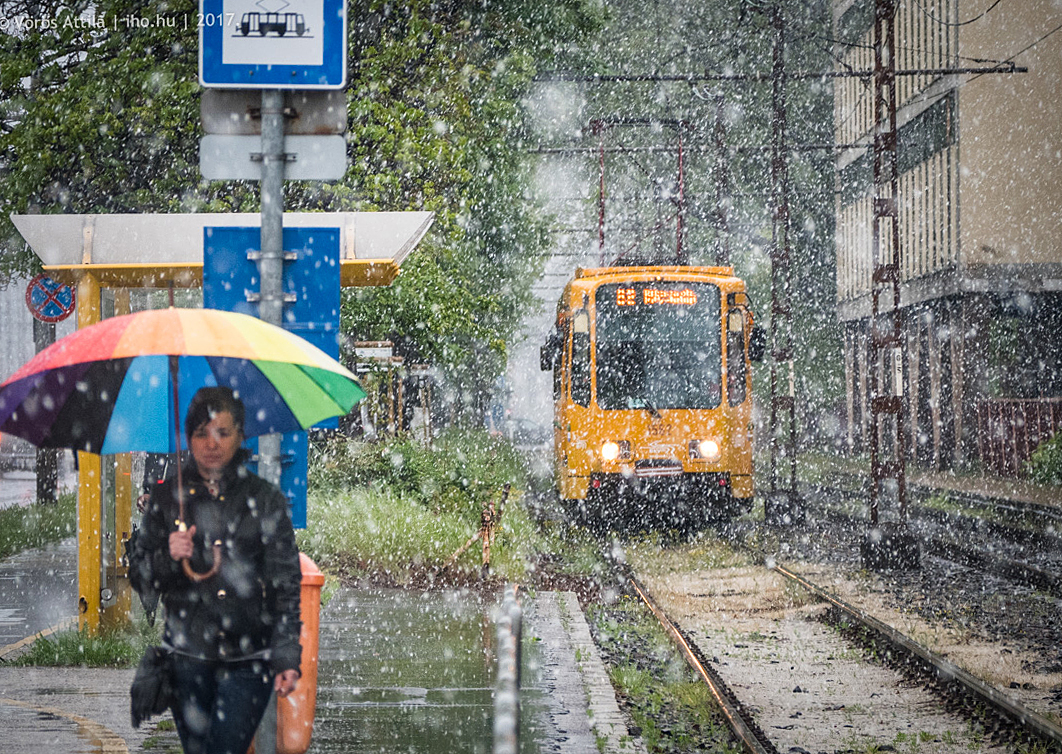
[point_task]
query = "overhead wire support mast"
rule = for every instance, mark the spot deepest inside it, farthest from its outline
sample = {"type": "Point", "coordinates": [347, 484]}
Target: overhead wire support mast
{"type": "Point", "coordinates": [782, 502]}
{"type": "Point", "coordinates": [891, 544]}
{"type": "Point", "coordinates": [722, 185]}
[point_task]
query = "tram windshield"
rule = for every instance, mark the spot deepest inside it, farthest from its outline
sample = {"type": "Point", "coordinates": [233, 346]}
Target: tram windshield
{"type": "Point", "coordinates": [658, 345]}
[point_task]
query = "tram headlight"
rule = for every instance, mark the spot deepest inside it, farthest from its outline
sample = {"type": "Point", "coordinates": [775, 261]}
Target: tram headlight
{"type": "Point", "coordinates": [610, 451]}
{"type": "Point", "coordinates": [707, 450]}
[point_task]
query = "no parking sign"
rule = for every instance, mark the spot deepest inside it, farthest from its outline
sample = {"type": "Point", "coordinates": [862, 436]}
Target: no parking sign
{"type": "Point", "coordinates": [49, 300]}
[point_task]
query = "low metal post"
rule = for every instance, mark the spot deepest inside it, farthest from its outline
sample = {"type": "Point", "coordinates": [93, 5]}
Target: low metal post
{"type": "Point", "coordinates": [507, 687]}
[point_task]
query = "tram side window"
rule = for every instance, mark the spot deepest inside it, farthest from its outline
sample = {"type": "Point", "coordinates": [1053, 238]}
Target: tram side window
{"type": "Point", "coordinates": [581, 358]}
{"type": "Point", "coordinates": [551, 357]}
{"type": "Point", "coordinates": [558, 379]}
{"type": "Point", "coordinates": [735, 358]}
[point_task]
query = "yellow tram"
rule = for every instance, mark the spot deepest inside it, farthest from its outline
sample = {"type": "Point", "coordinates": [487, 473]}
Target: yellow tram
{"type": "Point", "coordinates": [652, 393]}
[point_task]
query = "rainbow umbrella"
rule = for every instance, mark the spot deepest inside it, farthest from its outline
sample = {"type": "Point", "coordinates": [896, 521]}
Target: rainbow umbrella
{"type": "Point", "coordinates": [111, 387]}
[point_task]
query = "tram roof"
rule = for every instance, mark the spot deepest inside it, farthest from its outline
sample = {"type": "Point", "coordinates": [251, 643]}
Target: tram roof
{"type": "Point", "coordinates": [649, 272]}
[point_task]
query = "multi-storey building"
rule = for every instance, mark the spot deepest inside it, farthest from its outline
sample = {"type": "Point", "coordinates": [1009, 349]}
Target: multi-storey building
{"type": "Point", "coordinates": [979, 214]}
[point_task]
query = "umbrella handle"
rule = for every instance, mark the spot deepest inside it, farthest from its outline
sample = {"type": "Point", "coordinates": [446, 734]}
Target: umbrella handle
{"type": "Point", "coordinates": [186, 565]}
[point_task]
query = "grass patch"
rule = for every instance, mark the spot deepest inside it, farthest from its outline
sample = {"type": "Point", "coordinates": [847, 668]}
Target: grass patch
{"type": "Point", "coordinates": [395, 512]}
{"type": "Point", "coordinates": [570, 550]}
{"type": "Point", "coordinates": [110, 648]}
{"type": "Point", "coordinates": [164, 739]}
{"type": "Point", "coordinates": [944, 503]}
{"type": "Point", "coordinates": [829, 468]}
{"type": "Point", "coordinates": [37, 525]}
{"type": "Point", "coordinates": [386, 537]}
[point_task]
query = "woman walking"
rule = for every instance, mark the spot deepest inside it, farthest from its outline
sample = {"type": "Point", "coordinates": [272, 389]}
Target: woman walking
{"type": "Point", "coordinates": [229, 578]}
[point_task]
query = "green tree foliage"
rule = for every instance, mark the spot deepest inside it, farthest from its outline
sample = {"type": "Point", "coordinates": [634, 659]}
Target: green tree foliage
{"type": "Point", "coordinates": [1045, 465]}
{"type": "Point", "coordinates": [100, 115]}
{"type": "Point", "coordinates": [437, 122]}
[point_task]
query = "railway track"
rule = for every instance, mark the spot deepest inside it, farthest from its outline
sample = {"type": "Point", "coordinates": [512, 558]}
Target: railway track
{"type": "Point", "coordinates": [985, 673]}
{"type": "Point", "coordinates": [928, 698]}
{"type": "Point", "coordinates": [975, 534]}
{"type": "Point", "coordinates": [1019, 521]}
{"type": "Point", "coordinates": [741, 721]}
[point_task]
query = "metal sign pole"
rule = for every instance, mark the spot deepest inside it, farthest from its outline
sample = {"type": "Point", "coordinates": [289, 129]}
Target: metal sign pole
{"type": "Point", "coordinates": [271, 309]}
{"type": "Point", "coordinates": [271, 263]}
{"type": "Point", "coordinates": [47, 458]}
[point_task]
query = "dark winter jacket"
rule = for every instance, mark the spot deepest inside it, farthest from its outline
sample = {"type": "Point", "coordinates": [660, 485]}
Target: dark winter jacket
{"type": "Point", "coordinates": [250, 609]}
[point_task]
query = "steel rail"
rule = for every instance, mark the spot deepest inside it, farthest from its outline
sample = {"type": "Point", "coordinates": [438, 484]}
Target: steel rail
{"type": "Point", "coordinates": [1009, 568]}
{"type": "Point", "coordinates": [922, 491]}
{"type": "Point", "coordinates": [979, 559]}
{"type": "Point", "coordinates": [1017, 505]}
{"type": "Point", "coordinates": [946, 671]}
{"type": "Point", "coordinates": [753, 740]}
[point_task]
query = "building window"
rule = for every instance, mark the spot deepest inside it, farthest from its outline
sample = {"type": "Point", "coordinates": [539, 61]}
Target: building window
{"type": "Point", "coordinates": [930, 132]}
{"type": "Point", "coordinates": [856, 22]}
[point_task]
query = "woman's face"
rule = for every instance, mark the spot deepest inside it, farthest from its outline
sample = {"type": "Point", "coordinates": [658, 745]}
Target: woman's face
{"type": "Point", "coordinates": [215, 443]}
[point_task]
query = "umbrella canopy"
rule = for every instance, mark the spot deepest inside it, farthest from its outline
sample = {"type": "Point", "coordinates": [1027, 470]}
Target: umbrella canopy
{"type": "Point", "coordinates": [109, 388]}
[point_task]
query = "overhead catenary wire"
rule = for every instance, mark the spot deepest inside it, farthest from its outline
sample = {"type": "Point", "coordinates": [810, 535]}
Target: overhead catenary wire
{"type": "Point", "coordinates": [942, 22]}
{"type": "Point", "coordinates": [1028, 47]}
{"type": "Point", "coordinates": [697, 80]}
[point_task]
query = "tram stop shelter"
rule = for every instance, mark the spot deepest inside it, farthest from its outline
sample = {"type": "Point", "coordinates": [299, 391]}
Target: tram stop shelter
{"type": "Point", "coordinates": [97, 253]}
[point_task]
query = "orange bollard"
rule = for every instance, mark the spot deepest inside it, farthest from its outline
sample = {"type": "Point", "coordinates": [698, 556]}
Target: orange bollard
{"type": "Point", "coordinates": [295, 712]}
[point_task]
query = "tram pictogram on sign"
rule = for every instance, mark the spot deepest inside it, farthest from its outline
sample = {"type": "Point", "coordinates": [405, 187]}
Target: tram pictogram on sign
{"type": "Point", "coordinates": [49, 300]}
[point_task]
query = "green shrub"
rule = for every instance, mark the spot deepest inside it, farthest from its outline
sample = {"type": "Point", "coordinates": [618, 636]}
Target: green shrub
{"type": "Point", "coordinates": [1045, 465]}
{"type": "Point", "coordinates": [378, 535]}
{"type": "Point", "coordinates": [457, 473]}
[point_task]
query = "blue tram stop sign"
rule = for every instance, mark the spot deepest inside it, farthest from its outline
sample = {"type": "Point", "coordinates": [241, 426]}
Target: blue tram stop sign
{"type": "Point", "coordinates": [273, 44]}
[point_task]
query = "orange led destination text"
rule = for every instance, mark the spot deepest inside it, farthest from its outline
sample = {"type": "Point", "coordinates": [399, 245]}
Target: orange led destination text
{"type": "Point", "coordinates": [650, 296]}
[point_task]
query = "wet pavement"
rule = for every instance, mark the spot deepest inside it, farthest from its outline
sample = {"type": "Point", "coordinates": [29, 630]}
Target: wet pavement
{"type": "Point", "coordinates": [399, 672]}
{"type": "Point", "coordinates": [38, 590]}
{"type": "Point", "coordinates": [403, 672]}
{"type": "Point", "coordinates": [68, 711]}
{"type": "Point", "coordinates": [17, 488]}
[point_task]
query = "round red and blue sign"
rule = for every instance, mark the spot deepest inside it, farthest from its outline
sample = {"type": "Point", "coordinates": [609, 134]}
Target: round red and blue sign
{"type": "Point", "coordinates": [49, 300]}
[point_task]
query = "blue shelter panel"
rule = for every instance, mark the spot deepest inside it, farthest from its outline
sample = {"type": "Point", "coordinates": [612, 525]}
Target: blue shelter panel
{"type": "Point", "coordinates": [231, 278]}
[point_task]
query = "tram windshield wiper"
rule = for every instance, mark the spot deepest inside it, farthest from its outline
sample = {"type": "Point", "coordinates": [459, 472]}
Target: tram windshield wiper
{"type": "Point", "coordinates": [643, 402]}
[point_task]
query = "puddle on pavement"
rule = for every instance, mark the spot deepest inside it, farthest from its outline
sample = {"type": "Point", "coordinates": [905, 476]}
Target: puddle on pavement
{"type": "Point", "coordinates": [408, 672]}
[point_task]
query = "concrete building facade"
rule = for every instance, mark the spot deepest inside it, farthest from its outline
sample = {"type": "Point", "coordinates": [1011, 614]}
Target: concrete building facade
{"type": "Point", "coordinates": [978, 211]}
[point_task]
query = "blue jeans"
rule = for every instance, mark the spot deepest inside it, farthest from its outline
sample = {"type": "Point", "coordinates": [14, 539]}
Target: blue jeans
{"type": "Point", "coordinates": [219, 704]}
